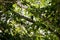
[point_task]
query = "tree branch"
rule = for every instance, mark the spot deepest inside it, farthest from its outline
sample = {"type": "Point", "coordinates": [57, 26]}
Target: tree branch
{"type": "Point", "coordinates": [26, 18]}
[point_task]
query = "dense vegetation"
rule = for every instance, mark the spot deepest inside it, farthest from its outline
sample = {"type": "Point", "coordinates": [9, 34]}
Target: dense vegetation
{"type": "Point", "coordinates": [29, 20]}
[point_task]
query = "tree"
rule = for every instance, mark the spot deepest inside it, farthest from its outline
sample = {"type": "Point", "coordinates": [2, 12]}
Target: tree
{"type": "Point", "coordinates": [29, 20]}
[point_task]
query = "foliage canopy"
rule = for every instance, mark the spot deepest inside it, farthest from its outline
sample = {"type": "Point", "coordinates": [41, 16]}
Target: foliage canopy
{"type": "Point", "coordinates": [29, 20]}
